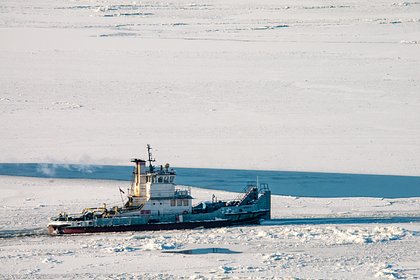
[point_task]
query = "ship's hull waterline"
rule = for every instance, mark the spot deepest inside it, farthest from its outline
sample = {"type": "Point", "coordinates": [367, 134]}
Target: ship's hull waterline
{"type": "Point", "coordinates": [57, 230]}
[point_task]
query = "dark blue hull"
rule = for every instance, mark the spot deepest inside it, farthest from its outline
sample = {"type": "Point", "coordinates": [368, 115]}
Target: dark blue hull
{"type": "Point", "coordinates": [158, 226]}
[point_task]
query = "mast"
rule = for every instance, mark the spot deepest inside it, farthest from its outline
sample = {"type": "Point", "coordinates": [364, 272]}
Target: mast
{"type": "Point", "coordinates": [150, 159]}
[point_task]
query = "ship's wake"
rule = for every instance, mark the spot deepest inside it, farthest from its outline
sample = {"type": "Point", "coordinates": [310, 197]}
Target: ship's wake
{"type": "Point", "coordinates": [14, 233]}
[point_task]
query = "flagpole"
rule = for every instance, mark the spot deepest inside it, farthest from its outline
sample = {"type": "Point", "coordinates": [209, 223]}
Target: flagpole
{"type": "Point", "coordinates": [122, 199]}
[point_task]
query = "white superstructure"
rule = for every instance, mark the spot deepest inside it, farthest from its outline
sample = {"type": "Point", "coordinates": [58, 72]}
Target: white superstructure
{"type": "Point", "coordinates": [154, 191]}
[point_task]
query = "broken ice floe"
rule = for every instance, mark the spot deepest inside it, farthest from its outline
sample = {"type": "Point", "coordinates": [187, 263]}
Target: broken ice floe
{"type": "Point", "coordinates": [127, 14]}
{"type": "Point", "coordinates": [227, 269]}
{"type": "Point", "coordinates": [156, 245]}
{"type": "Point", "coordinates": [387, 271]}
{"type": "Point", "coordinates": [244, 236]}
{"type": "Point", "coordinates": [405, 4]}
{"type": "Point", "coordinates": [153, 243]}
{"type": "Point", "coordinates": [50, 259]}
{"type": "Point", "coordinates": [119, 34]}
{"type": "Point", "coordinates": [121, 248]}
{"type": "Point", "coordinates": [271, 27]}
{"type": "Point", "coordinates": [92, 243]}
{"type": "Point", "coordinates": [65, 105]}
{"type": "Point", "coordinates": [325, 7]}
{"type": "Point", "coordinates": [203, 251]}
{"type": "Point", "coordinates": [335, 235]}
{"type": "Point", "coordinates": [409, 42]}
{"type": "Point", "coordinates": [277, 257]}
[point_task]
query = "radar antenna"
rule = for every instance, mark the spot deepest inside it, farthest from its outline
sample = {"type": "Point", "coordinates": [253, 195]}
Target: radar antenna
{"type": "Point", "coordinates": [150, 159]}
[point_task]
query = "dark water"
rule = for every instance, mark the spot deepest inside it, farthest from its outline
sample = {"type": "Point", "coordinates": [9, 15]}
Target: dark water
{"type": "Point", "coordinates": [309, 184]}
{"type": "Point", "coordinates": [202, 251]}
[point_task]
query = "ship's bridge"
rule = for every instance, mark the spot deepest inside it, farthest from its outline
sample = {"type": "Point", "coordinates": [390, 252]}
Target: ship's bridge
{"type": "Point", "coordinates": [153, 183]}
{"type": "Point", "coordinates": [164, 177]}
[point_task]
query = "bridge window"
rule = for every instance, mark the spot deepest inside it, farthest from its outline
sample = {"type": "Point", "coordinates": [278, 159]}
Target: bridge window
{"type": "Point", "coordinates": [166, 179]}
{"type": "Point", "coordinates": [154, 179]}
{"type": "Point", "coordinates": [171, 179]}
{"type": "Point", "coordinates": [172, 202]}
{"type": "Point", "coordinates": [185, 202]}
{"type": "Point", "coordinates": [179, 202]}
{"type": "Point", "coordinates": [160, 179]}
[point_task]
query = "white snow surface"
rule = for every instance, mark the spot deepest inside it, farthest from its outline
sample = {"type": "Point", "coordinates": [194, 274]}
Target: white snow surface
{"type": "Point", "coordinates": [330, 251]}
{"type": "Point", "coordinates": [305, 85]}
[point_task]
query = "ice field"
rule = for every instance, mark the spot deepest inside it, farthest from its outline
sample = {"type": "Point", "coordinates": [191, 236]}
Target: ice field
{"type": "Point", "coordinates": [311, 86]}
{"type": "Point", "coordinates": [322, 250]}
{"type": "Point", "coordinates": [296, 86]}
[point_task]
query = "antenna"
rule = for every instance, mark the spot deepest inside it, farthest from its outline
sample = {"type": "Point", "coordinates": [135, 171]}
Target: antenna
{"type": "Point", "coordinates": [150, 159]}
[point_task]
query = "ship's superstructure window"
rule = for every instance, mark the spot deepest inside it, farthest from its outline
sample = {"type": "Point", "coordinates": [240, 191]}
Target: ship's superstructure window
{"type": "Point", "coordinates": [179, 202]}
{"type": "Point", "coordinates": [171, 179]}
{"type": "Point", "coordinates": [172, 202]}
{"type": "Point", "coordinates": [166, 180]}
{"type": "Point", "coordinates": [160, 179]}
{"type": "Point", "coordinates": [185, 202]}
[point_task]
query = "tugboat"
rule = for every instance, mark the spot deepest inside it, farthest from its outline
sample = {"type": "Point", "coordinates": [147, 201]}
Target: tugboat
{"type": "Point", "coordinates": [155, 202]}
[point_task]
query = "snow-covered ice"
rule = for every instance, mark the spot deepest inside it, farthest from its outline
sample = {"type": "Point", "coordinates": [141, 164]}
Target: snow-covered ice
{"type": "Point", "coordinates": [325, 251]}
{"type": "Point", "coordinates": [309, 85]}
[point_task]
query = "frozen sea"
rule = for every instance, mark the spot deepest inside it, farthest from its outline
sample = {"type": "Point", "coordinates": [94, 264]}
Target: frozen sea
{"type": "Point", "coordinates": [326, 86]}
{"type": "Point", "coordinates": [308, 238]}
